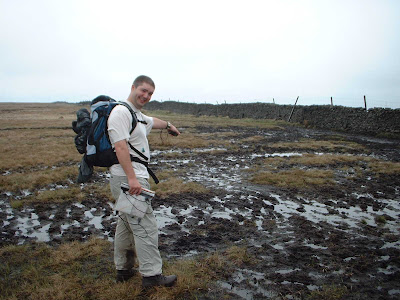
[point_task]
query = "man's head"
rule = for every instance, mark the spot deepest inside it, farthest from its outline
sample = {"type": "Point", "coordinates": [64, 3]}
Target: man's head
{"type": "Point", "coordinates": [141, 91]}
{"type": "Point", "coordinates": [143, 79]}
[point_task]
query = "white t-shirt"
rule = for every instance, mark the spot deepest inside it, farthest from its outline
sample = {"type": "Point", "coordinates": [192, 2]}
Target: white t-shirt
{"type": "Point", "coordinates": [119, 126]}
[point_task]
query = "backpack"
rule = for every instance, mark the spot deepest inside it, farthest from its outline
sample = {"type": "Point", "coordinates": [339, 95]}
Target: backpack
{"type": "Point", "coordinates": [93, 141]}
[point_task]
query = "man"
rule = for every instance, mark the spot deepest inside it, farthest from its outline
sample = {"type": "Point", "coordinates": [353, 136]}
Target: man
{"type": "Point", "coordinates": [136, 238]}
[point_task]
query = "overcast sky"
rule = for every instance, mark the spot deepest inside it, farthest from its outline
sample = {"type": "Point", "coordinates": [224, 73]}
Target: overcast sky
{"type": "Point", "coordinates": [203, 51]}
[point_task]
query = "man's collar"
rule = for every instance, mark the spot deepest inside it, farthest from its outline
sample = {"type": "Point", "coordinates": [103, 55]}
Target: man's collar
{"type": "Point", "coordinates": [132, 106]}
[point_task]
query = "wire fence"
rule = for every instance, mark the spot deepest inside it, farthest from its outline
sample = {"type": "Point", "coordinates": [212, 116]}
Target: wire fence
{"type": "Point", "coordinates": [363, 102]}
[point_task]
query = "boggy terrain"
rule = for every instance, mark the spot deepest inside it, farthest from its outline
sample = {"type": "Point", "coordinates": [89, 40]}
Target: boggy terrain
{"type": "Point", "coordinates": [317, 212]}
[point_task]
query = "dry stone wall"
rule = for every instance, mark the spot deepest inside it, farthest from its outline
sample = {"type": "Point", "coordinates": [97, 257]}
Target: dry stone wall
{"type": "Point", "coordinates": [356, 120]}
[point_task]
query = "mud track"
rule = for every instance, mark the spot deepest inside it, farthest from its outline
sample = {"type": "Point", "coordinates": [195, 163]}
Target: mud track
{"type": "Point", "coordinates": [299, 241]}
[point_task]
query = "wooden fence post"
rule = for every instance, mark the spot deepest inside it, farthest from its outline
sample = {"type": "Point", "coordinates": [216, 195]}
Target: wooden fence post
{"type": "Point", "coordinates": [365, 103]}
{"type": "Point", "coordinates": [331, 102]}
{"type": "Point", "coordinates": [293, 109]}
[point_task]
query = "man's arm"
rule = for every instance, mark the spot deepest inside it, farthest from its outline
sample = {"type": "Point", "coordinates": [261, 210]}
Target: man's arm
{"type": "Point", "coordinates": [161, 124]}
{"type": "Point", "coordinates": [124, 159]}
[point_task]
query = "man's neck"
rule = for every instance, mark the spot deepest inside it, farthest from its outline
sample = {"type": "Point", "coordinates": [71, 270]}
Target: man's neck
{"type": "Point", "coordinates": [133, 105]}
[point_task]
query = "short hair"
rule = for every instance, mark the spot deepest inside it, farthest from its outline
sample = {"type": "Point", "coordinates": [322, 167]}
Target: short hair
{"type": "Point", "coordinates": [143, 78]}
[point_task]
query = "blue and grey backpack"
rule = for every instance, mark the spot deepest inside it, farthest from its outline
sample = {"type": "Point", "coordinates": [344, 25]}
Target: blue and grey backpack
{"type": "Point", "coordinates": [93, 141]}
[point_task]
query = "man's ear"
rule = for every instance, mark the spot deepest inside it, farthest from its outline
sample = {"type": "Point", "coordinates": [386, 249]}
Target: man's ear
{"type": "Point", "coordinates": [132, 88]}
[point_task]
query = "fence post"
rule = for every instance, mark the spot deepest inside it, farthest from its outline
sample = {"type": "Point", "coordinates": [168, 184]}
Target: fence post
{"type": "Point", "coordinates": [365, 103]}
{"type": "Point", "coordinates": [331, 102]}
{"type": "Point", "coordinates": [293, 109]}
{"type": "Point", "coordinates": [273, 100]}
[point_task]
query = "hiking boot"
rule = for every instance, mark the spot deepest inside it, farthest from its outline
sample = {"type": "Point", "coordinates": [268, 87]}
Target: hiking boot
{"type": "Point", "coordinates": [125, 275]}
{"type": "Point", "coordinates": [159, 280]}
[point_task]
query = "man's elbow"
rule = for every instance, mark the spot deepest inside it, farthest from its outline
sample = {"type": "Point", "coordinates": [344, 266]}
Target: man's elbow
{"type": "Point", "coordinates": [120, 146]}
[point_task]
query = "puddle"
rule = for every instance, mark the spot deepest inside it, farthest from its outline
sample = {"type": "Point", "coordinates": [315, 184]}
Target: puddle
{"type": "Point", "coordinates": [353, 216]}
{"type": "Point", "coordinates": [248, 284]}
{"type": "Point", "coordinates": [284, 154]}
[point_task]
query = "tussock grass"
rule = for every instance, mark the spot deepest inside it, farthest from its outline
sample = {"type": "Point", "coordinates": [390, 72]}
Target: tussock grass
{"type": "Point", "coordinates": [187, 140]}
{"type": "Point", "coordinates": [25, 148]}
{"type": "Point", "coordinates": [174, 186]}
{"type": "Point", "coordinates": [34, 134]}
{"type": "Point", "coordinates": [329, 292]}
{"type": "Point", "coordinates": [323, 145]}
{"type": "Point", "coordinates": [72, 193]}
{"type": "Point", "coordinates": [37, 179]}
{"type": "Point", "coordinates": [295, 178]}
{"type": "Point", "coordinates": [78, 271]}
{"type": "Point", "coordinates": [384, 167]}
{"type": "Point", "coordinates": [310, 170]}
{"type": "Point", "coordinates": [37, 115]}
{"type": "Point", "coordinates": [186, 120]}
{"type": "Point", "coordinates": [313, 160]}
{"type": "Point", "coordinates": [162, 140]}
{"type": "Point", "coordinates": [239, 255]}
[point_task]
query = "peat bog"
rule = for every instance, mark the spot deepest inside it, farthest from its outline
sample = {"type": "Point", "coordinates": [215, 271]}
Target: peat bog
{"type": "Point", "coordinates": [333, 240]}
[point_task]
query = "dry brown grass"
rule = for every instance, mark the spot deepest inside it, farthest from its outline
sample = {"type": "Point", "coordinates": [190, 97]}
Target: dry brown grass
{"type": "Point", "coordinates": [25, 148]}
{"type": "Point", "coordinates": [31, 180]}
{"type": "Point", "coordinates": [35, 134]}
{"type": "Point", "coordinates": [323, 145]}
{"type": "Point", "coordinates": [295, 178]}
{"type": "Point", "coordinates": [310, 170]}
{"type": "Point", "coordinates": [308, 159]}
{"type": "Point", "coordinates": [37, 115]}
{"type": "Point", "coordinates": [174, 186]}
{"type": "Point", "coordinates": [213, 121]}
{"type": "Point", "coordinates": [384, 167]}
{"type": "Point", "coordinates": [80, 271]}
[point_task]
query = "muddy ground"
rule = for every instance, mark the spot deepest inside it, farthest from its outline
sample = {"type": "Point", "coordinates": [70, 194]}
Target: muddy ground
{"type": "Point", "coordinates": [299, 241]}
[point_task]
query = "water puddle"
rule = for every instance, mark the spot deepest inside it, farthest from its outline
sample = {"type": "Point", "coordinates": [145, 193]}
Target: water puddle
{"type": "Point", "coordinates": [248, 284]}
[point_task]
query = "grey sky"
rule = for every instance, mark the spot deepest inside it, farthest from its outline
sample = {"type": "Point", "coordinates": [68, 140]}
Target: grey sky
{"type": "Point", "coordinates": [203, 51]}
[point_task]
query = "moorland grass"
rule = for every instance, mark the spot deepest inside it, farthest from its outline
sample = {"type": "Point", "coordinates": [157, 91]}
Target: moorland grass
{"type": "Point", "coordinates": [320, 145]}
{"type": "Point", "coordinates": [312, 170]}
{"type": "Point", "coordinates": [29, 148]}
{"type": "Point", "coordinates": [186, 120]}
{"type": "Point", "coordinates": [37, 179]}
{"type": "Point", "coordinates": [295, 178]}
{"type": "Point", "coordinates": [85, 270]}
{"type": "Point", "coordinates": [175, 186]}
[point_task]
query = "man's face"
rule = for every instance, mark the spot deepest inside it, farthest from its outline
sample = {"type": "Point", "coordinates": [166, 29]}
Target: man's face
{"type": "Point", "coordinates": [142, 94]}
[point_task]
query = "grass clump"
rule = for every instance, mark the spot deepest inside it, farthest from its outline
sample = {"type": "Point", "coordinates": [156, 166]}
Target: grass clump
{"type": "Point", "coordinates": [36, 179]}
{"type": "Point", "coordinates": [380, 220]}
{"type": "Point", "coordinates": [24, 148]}
{"type": "Point", "coordinates": [173, 186]}
{"type": "Point", "coordinates": [85, 271]}
{"type": "Point", "coordinates": [16, 204]}
{"type": "Point", "coordinates": [190, 121]}
{"type": "Point", "coordinates": [308, 159]}
{"type": "Point", "coordinates": [295, 178]}
{"type": "Point", "coordinates": [331, 292]}
{"type": "Point", "coordinates": [324, 145]}
{"type": "Point", "coordinates": [385, 167]}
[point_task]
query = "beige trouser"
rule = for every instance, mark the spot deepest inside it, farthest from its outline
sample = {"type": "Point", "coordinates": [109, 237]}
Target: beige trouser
{"type": "Point", "coordinates": [137, 234]}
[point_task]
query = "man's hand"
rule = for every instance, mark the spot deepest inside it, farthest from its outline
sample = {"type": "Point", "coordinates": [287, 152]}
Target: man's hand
{"type": "Point", "coordinates": [161, 124]}
{"type": "Point", "coordinates": [173, 131]}
{"type": "Point", "coordinates": [134, 186]}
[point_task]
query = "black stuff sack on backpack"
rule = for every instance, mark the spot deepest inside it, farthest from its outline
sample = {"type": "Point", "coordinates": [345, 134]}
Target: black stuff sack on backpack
{"type": "Point", "coordinates": [81, 127]}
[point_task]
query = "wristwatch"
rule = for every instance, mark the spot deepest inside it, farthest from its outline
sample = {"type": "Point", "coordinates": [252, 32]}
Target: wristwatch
{"type": "Point", "coordinates": [168, 125]}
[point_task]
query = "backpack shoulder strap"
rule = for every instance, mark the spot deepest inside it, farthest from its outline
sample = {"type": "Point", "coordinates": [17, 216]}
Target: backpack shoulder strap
{"type": "Point", "coordinates": [134, 117]}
